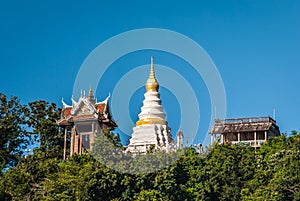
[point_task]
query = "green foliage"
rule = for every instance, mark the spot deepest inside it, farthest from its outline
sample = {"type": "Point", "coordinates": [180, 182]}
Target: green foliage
{"type": "Point", "coordinates": [13, 135]}
{"type": "Point", "coordinates": [223, 172]}
{"type": "Point", "coordinates": [277, 173]}
{"type": "Point", "coordinates": [107, 149]}
{"type": "Point", "coordinates": [42, 117]}
{"type": "Point", "coordinates": [22, 125]}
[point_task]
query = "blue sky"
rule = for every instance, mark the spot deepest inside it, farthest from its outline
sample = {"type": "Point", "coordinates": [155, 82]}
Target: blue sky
{"type": "Point", "coordinates": [255, 45]}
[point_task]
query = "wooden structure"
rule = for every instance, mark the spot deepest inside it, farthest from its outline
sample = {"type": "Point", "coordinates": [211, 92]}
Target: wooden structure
{"type": "Point", "coordinates": [82, 120]}
{"type": "Point", "coordinates": [253, 131]}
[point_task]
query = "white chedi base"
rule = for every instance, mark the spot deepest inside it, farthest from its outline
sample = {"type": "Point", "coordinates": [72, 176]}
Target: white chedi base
{"type": "Point", "coordinates": [151, 135]}
{"type": "Point", "coordinates": [152, 106]}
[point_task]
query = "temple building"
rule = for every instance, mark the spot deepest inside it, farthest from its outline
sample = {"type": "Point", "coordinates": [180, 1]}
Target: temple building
{"type": "Point", "coordinates": [82, 121]}
{"type": "Point", "coordinates": [252, 131]}
{"type": "Point", "coordinates": [151, 130]}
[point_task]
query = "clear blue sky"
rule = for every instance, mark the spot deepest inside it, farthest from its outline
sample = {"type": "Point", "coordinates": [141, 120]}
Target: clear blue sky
{"type": "Point", "coordinates": [254, 44]}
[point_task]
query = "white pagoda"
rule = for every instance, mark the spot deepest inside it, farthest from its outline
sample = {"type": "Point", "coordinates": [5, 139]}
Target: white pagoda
{"type": "Point", "coordinates": [151, 130]}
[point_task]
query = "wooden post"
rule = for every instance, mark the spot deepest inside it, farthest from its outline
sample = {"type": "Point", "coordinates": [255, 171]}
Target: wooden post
{"type": "Point", "coordinates": [80, 144]}
{"type": "Point", "coordinates": [255, 139]}
{"type": "Point", "coordinates": [72, 141]}
{"type": "Point", "coordinates": [91, 141]}
{"type": "Point", "coordinates": [76, 148]}
{"type": "Point", "coordinates": [239, 137]}
{"type": "Point", "coordinates": [65, 143]}
{"type": "Point", "coordinates": [266, 135]}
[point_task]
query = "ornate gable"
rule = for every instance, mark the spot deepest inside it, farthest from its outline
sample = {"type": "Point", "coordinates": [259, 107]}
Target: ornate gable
{"type": "Point", "coordinates": [83, 107]}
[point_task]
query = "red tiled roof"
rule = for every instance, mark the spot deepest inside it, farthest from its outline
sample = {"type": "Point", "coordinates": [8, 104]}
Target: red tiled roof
{"type": "Point", "coordinates": [100, 107]}
{"type": "Point", "coordinates": [67, 111]}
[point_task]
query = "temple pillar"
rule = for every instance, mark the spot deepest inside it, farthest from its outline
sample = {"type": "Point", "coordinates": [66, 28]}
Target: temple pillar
{"type": "Point", "coordinates": [266, 135]}
{"type": "Point", "coordinates": [76, 145]}
{"type": "Point", "coordinates": [91, 136]}
{"type": "Point", "coordinates": [65, 143]}
{"type": "Point", "coordinates": [80, 144]}
{"type": "Point", "coordinates": [255, 137]}
{"type": "Point", "coordinates": [72, 141]}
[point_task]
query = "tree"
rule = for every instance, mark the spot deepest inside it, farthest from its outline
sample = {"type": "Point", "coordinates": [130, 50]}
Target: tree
{"type": "Point", "coordinates": [276, 175]}
{"type": "Point", "coordinates": [42, 117]}
{"type": "Point", "coordinates": [227, 172]}
{"type": "Point", "coordinates": [14, 137]}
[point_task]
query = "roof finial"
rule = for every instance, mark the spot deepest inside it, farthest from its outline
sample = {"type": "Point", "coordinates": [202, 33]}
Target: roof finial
{"type": "Point", "coordinates": [73, 101]}
{"type": "Point", "coordinates": [91, 97]}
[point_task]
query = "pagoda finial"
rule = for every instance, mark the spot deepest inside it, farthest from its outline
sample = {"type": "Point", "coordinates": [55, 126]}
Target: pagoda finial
{"type": "Point", "coordinates": [152, 84]}
{"type": "Point", "coordinates": [90, 91]}
{"type": "Point", "coordinates": [152, 74]}
{"type": "Point", "coordinates": [91, 95]}
{"type": "Point", "coordinates": [152, 61]}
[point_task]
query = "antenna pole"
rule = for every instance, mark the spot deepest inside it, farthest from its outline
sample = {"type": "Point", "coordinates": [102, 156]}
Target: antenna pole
{"type": "Point", "coordinates": [215, 112]}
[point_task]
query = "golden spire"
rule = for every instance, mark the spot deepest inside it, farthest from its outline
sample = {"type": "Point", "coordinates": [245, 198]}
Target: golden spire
{"type": "Point", "coordinates": [152, 84]}
{"type": "Point", "coordinates": [91, 97]}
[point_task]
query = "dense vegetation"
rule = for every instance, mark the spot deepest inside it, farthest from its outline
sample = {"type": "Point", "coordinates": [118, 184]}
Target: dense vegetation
{"type": "Point", "coordinates": [223, 173]}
